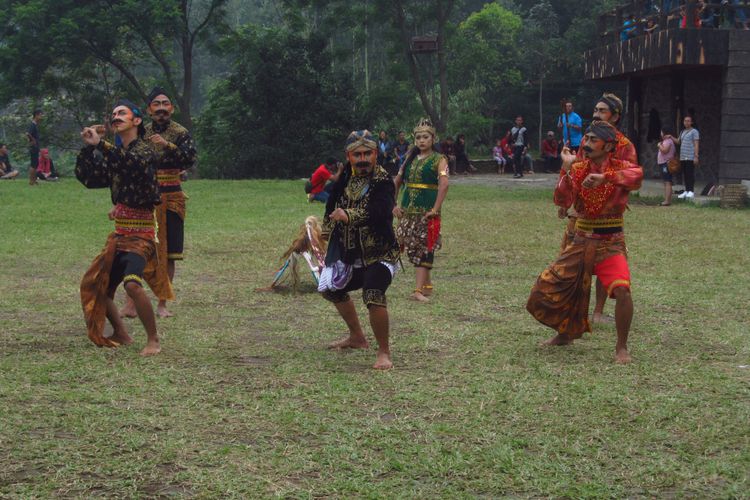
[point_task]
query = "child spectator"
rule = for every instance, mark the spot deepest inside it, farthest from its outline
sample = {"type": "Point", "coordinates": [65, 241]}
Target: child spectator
{"type": "Point", "coordinates": [499, 156]}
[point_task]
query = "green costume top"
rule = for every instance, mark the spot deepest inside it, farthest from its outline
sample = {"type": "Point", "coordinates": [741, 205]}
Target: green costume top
{"type": "Point", "coordinates": [421, 184]}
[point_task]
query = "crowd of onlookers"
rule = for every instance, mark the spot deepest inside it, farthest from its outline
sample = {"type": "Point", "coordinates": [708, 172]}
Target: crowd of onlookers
{"type": "Point", "coordinates": [511, 153]}
{"type": "Point", "coordinates": [41, 166]}
{"type": "Point", "coordinates": [728, 14]}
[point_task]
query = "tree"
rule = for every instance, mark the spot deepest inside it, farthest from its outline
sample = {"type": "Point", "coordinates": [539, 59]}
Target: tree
{"type": "Point", "coordinates": [46, 42]}
{"type": "Point", "coordinates": [278, 113]}
{"type": "Point", "coordinates": [440, 12]}
{"type": "Point", "coordinates": [484, 71]}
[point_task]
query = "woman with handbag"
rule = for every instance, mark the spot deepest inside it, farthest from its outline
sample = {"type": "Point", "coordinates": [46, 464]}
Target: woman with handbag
{"type": "Point", "coordinates": [666, 160]}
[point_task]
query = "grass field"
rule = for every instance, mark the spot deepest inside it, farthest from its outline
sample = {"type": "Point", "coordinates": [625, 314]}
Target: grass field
{"type": "Point", "coordinates": [245, 401]}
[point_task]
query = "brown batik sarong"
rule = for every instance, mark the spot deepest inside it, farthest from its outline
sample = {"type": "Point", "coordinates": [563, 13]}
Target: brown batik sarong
{"type": "Point", "coordinates": [560, 297]}
{"type": "Point", "coordinates": [95, 286]}
{"type": "Point", "coordinates": [413, 233]}
{"type": "Point", "coordinates": [156, 274]}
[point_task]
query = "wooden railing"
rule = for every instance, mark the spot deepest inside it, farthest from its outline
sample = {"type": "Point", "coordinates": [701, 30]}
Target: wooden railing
{"type": "Point", "coordinates": [665, 14]}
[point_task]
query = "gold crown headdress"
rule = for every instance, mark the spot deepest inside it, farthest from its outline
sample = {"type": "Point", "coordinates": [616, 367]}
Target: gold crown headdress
{"type": "Point", "coordinates": [425, 125]}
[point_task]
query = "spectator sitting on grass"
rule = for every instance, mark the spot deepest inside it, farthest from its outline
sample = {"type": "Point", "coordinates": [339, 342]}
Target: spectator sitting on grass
{"type": "Point", "coordinates": [323, 178]}
{"type": "Point", "coordinates": [6, 169]}
{"type": "Point", "coordinates": [45, 169]}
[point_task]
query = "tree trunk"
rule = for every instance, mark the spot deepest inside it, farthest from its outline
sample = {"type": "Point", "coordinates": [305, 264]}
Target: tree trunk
{"type": "Point", "coordinates": [412, 63]}
{"type": "Point", "coordinates": [443, 15]}
{"type": "Point", "coordinates": [541, 79]}
{"type": "Point", "coordinates": [187, 82]}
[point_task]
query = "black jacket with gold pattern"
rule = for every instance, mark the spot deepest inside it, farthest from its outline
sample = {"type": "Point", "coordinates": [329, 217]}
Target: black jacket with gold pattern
{"type": "Point", "coordinates": [129, 173]}
{"type": "Point", "coordinates": [369, 202]}
{"type": "Point", "coordinates": [180, 153]}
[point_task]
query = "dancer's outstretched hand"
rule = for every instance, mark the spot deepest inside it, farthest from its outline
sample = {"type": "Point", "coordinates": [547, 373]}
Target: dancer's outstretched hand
{"type": "Point", "coordinates": [568, 157]}
{"type": "Point", "coordinates": [89, 136]}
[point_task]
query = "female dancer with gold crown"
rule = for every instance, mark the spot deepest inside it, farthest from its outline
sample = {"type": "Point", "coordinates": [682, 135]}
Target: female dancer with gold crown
{"type": "Point", "coordinates": [424, 178]}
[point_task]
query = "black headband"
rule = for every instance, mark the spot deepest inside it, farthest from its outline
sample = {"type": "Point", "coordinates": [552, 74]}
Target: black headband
{"type": "Point", "coordinates": [131, 106]}
{"type": "Point", "coordinates": [613, 105]}
{"type": "Point", "coordinates": [603, 131]}
{"type": "Point", "coordinates": [136, 114]}
{"type": "Point", "coordinates": [156, 91]}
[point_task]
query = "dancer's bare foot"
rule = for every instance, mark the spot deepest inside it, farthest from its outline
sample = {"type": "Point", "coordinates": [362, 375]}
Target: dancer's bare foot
{"type": "Point", "coordinates": [349, 342]}
{"type": "Point", "coordinates": [419, 297]}
{"type": "Point", "coordinates": [383, 361]}
{"type": "Point", "coordinates": [162, 311]}
{"type": "Point", "coordinates": [152, 348]}
{"type": "Point", "coordinates": [427, 290]}
{"type": "Point", "coordinates": [128, 310]}
{"type": "Point", "coordinates": [559, 339]}
{"type": "Point", "coordinates": [602, 318]}
{"type": "Point", "coordinates": [622, 356]}
{"type": "Point", "coordinates": [122, 337]}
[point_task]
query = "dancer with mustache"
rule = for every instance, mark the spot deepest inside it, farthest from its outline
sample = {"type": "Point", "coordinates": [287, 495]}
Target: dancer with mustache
{"type": "Point", "coordinates": [424, 177]}
{"type": "Point", "coordinates": [597, 188]}
{"type": "Point", "coordinates": [130, 174]}
{"type": "Point", "coordinates": [362, 248]}
{"type": "Point", "coordinates": [608, 108]}
{"type": "Point", "coordinates": [175, 152]}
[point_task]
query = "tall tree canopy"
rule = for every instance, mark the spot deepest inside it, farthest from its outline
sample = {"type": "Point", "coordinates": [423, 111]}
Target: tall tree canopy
{"type": "Point", "coordinates": [51, 46]}
{"type": "Point", "coordinates": [253, 70]}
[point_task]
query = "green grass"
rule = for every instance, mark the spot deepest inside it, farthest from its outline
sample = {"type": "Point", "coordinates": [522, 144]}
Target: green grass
{"type": "Point", "coordinates": [246, 402]}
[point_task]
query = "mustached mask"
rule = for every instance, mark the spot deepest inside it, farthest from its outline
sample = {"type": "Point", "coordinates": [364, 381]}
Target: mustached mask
{"type": "Point", "coordinates": [136, 114]}
{"type": "Point", "coordinates": [161, 112]}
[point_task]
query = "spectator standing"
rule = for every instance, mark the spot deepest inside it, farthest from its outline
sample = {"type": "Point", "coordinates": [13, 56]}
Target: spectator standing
{"type": "Point", "coordinates": [448, 148]}
{"type": "Point", "coordinates": [400, 149]}
{"type": "Point", "coordinates": [6, 169]}
{"type": "Point", "coordinates": [651, 26]}
{"type": "Point", "coordinates": [384, 150]}
{"type": "Point", "coordinates": [499, 156]}
{"type": "Point", "coordinates": [628, 28]}
{"type": "Point", "coordinates": [571, 127]}
{"type": "Point", "coordinates": [696, 23]}
{"type": "Point", "coordinates": [520, 140]}
{"type": "Point", "coordinates": [738, 15]}
{"type": "Point", "coordinates": [689, 142]}
{"type": "Point", "coordinates": [462, 159]}
{"type": "Point", "coordinates": [663, 157]}
{"type": "Point", "coordinates": [32, 135]}
{"type": "Point", "coordinates": [323, 174]}
{"type": "Point", "coordinates": [550, 153]}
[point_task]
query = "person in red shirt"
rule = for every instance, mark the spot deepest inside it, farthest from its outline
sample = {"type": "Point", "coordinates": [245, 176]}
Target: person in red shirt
{"type": "Point", "coordinates": [550, 153]}
{"type": "Point", "coordinates": [320, 178]}
{"type": "Point", "coordinates": [597, 188]}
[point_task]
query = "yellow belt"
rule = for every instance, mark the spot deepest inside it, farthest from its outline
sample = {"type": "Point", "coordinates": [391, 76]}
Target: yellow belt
{"type": "Point", "coordinates": [414, 185]}
{"type": "Point", "coordinates": [168, 177]}
{"type": "Point", "coordinates": [591, 224]}
{"type": "Point", "coordinates": [132, 223]}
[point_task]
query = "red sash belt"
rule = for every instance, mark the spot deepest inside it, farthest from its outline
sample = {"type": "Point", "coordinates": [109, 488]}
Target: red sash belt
{"type": "Point", "coordinates": [134, 221]}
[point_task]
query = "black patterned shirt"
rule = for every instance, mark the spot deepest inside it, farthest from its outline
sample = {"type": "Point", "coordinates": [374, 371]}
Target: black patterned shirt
{"type": "Point", "coordinates": [180, 153]}
{"type": "Point", "coordinates": [129, 173]}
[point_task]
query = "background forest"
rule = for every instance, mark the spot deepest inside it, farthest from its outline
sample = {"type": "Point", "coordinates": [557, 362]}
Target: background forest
{"type": "Point", "coordinates": [270, 88]}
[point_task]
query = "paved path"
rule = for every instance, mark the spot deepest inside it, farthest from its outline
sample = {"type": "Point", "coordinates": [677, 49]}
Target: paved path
{"type": "Point", "coordinates": [651, 187]}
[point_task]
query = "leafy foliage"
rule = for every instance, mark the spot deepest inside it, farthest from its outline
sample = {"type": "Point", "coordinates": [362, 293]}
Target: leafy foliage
{"type": "Point", "coordinates": [280, 112]}
{"type": "Point", "coordinates": [329, 66]}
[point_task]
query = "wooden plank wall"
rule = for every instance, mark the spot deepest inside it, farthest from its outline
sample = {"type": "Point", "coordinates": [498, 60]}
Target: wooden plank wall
{"type": "Point", "coordinates": [673, 47]}
{"type": "Point", "coordinates": [734, 149]}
